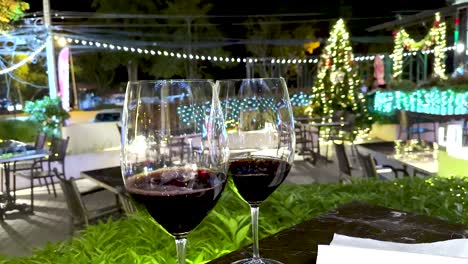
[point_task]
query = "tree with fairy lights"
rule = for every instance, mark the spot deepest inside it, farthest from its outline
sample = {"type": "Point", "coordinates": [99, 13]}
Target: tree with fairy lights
{"type": "Point", "coordinates": [336, 85]}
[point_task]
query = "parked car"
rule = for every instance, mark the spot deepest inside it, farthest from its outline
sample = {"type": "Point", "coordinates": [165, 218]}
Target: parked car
{"type": "Point", "coordinates": [108, 115]}
{"type": "Point", "coordinates": [89, 101]}
{"type": "Point", "coordinates": [7, 106]}
{"type": "Point", "coordinates": [116, 99]}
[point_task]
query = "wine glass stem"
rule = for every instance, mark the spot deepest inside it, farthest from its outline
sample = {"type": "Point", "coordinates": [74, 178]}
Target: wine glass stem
{"type": "Point", "coordinates": [254, 210]}
{"type": "Point", "coordinates": [180, 246]}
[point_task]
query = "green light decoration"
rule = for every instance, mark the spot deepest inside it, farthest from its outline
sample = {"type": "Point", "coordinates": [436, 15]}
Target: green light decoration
{"type": "Point", "coordinates": [429, 101]}
{"type": "Point", "coordinates": [435, 38]}
{"type": "Point", "coordinates": [336, 85]}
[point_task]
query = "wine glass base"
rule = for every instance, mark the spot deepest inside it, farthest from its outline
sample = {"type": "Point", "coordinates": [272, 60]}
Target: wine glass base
{"type": "Point", "coordinates": [257, 261]}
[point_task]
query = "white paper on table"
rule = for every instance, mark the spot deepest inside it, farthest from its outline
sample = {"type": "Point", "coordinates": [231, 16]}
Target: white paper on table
{"type": "Point", "coordinates": [350, 250]}
{"type": "Point", "coordinates": [449, 248]}
{"type": "Point", "coordinates": [354, 255]}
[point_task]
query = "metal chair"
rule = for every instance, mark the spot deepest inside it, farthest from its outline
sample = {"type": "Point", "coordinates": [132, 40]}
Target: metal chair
{"type": "Point", "coordinates": [372, 170]}
{"type": "Point", "coordinates": [58, 149]}
{"type": "Point", "coordinates": [343, 163]}
{"type": "Point", "coordinates": [465, 132]}
{"type": "Point", "coordinates": [119, 128]}
{"type": "Point", "coordinates": [39, 144]}
{"type": "Point", "coordinates": [305, 144]}
{"type": "Point", "coordinates": [344, 132]}
{"type": "Point", "coordinates": [369, 166]}
{"type": "Point", "coordinates": [126, 204]}
{"type": "Point", "coordinates": [80, 216]}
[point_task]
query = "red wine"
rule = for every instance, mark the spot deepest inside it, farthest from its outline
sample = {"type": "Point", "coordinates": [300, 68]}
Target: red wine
{"type": "Point", "coordinates": [256, 178]}
{"type": "Point", "coordinates": [177, 198]}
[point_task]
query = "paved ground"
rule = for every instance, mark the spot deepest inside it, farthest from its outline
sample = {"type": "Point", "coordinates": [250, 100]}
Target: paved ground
{"type": "Point", "coordinates": [50, 222]}
{"type": "Point", "coordinates": [21, 233]}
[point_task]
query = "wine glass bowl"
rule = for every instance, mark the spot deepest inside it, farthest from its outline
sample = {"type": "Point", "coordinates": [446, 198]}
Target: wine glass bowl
{"type": "Point", "coordinates": [172, 163]}
{"type": "Point", "coordinates": [261, 137]}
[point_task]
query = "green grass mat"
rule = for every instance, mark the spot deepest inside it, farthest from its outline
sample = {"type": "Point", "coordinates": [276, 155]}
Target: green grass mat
{"type": "Point", "coordinates": [450, 166]}
{"type": "Point", "coordinates": [139, 239]}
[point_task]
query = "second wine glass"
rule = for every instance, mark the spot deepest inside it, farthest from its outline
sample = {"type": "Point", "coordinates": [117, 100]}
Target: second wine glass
{"type": "Point", "coordinates": [261, 141]}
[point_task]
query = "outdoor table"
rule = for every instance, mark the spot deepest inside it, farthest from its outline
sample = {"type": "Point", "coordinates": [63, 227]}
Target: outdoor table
{"type": "Point", "coordinates": [108, 178]}
{"type": "Point", "coordinates": [298, 244]}
{"type": "Point", "coordinates": [111, 180]}
{"type": "Point", "coordinates": [421, 162]}
{"type": "Point", "coordinates": [6, 198]}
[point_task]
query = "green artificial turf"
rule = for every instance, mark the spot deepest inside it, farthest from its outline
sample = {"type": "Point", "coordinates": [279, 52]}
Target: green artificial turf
{"type": "Point", "coordinates": [24, 131]}
{"type": "Point", "coordinates": [139, 239]}
{"type": "Point", "coordinates": [450, 166]}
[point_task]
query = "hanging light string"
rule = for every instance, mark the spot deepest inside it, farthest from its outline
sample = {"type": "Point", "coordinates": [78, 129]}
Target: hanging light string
{"type": "Point", "coordinates": [24, 61]}
{"type": "Point", "coordinates": [109, 45]}
{"type": "Point", "coordinates": [159, 52]}
{"type": "Point", "coordinates": [103, 44]}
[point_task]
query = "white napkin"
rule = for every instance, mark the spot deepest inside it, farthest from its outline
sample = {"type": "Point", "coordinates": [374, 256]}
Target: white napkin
{"type": "Point", "coordinates": [344, 249]}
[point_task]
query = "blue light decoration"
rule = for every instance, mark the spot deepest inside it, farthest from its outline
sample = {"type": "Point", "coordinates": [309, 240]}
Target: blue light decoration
{"type": "Point", "coordinates": [428, 101]}
{"type": "Point", "coordinates": [189, 114]}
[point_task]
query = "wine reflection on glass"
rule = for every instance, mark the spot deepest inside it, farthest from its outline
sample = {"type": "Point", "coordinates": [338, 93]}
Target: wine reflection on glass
{"type": "Point", "coordinates": [261, 139]}
{"type": "Point", "coordinates": [178, 181]}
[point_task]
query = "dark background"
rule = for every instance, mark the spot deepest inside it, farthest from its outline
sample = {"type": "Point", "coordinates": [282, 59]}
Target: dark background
{"type": "Point", "coordinates": [363, 13]}
{"type": "Point", "coordinates": [359, 15]}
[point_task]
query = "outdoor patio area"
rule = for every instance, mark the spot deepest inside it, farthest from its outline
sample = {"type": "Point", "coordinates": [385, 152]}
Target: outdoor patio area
{"type": "Point", "coordinates": [221, 132]}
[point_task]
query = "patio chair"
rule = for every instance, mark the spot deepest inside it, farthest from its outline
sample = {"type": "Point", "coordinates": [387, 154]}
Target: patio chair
{"type": "Point", "coordinates": [344, 166]}
{"type": "Point", "coordinates": [126, 204]}
{"type": "Point", "coordinates": [305, 144]}
{"type": "Point", "coordinates": [80, 216]}
{"type": "Point", "coordinates": [372, 170]}
{"type": "Point", "coordinates": [39, 144]}
{"type": "Point", "coordinates": [369, 166]}
{"type": "Point", "coordinates": [344, 132]}
{"type": "Point", "coordinates": [58, 149]}
{"type": "Point", "coordinates": [119, 128]}
{"type": "Point", "coordinates": [465, 132]}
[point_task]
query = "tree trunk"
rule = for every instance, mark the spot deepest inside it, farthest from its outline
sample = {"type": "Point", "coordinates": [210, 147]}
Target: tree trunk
{"type": "Point", "coordinates": [20, 96]}
{"type": "Point", "coordinates": [8, 85]}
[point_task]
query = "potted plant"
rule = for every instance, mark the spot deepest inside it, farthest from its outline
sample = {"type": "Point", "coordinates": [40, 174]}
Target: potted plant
{"type": "Point", "coordinates": [50, 115]}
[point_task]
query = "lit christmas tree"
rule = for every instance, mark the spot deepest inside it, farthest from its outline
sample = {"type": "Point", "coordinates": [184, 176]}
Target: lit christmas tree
{"type": "Point", "coordinates": [337, 82]}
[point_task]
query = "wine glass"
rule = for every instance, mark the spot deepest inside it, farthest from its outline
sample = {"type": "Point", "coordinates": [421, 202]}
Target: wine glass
{"type": "Point", "coordinates": [177, 180]}
{"type": "Point", "coordinates": [261, 139]}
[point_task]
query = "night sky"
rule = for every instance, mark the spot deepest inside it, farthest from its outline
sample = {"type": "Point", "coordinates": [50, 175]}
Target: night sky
{"type": "Point", "coordinates": [362, 13]}
{"type": "Point", "coordinates": [359, 14]}
{"type": "Point", "coordinates": [329, 8]}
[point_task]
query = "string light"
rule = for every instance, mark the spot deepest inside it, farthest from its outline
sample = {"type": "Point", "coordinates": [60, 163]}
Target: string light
{"type": "Point", "coordinates": [181, 55]}
{"type": "Point", "coordinates": [113, 47]}
{"type": "Point", "coordinates": [429, 101]}
{"type": "Point", "coordinates": [24, 61]}
{"type": "Point", "coordinates": [436, 38]}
